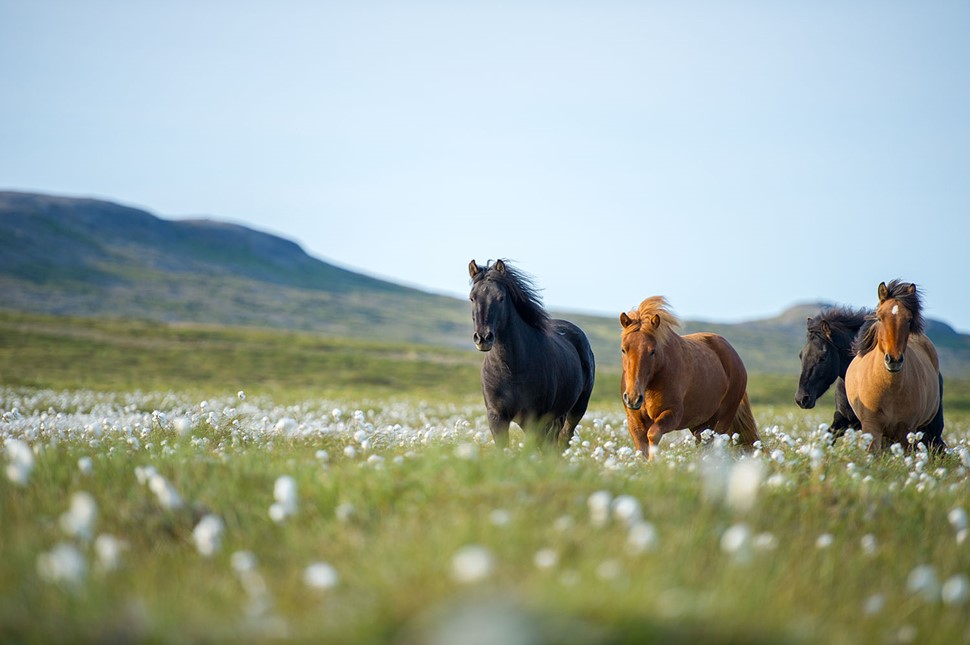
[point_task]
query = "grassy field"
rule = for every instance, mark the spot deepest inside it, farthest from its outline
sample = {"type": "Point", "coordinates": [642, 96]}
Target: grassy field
{"type": "Point", "coordinates": [351, 493]}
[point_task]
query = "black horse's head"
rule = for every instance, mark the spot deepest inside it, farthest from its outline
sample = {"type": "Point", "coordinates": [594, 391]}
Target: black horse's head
{"type": "Point", "coordinates": [497, 292]}
{"type": "Point", "coordinates": [820, 363]}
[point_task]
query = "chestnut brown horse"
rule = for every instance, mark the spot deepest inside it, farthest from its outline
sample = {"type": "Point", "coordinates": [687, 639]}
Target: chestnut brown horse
{"type": "Point", "coordinates": [894, 384]}
{"type": "Point", "coordinates": [671, 382]}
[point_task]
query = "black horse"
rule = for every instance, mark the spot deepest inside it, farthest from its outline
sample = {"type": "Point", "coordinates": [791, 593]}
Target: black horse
{"type": "Point", "coordinates": [537, 372]}
{"type": "Point", "coordinates": [825, 358]}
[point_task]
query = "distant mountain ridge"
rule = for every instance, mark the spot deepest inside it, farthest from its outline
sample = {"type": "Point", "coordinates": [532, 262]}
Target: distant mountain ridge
{"type": "Point", "coordinates": [79, 256]}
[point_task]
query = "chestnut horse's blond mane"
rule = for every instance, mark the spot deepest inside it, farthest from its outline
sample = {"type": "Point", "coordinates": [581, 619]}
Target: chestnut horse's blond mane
{"type": "Point", "coordinates": [641, 317]}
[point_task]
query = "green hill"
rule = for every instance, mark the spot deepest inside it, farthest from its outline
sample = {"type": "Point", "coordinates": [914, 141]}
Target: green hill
{"type": "Point", "coordinates": [86, 257]}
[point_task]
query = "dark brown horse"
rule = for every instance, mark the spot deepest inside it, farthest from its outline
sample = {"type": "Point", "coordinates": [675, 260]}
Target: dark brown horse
{"type": "Point", "coordinates": [894, 383]}
{"type": "Point", "coordinates": [671, 382]}
{"type": "Point", "coordinates": [537, 372]}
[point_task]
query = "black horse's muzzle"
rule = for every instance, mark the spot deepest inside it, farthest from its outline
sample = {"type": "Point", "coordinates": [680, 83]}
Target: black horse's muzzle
{"type": "Point", "coordinates": [484, 343]}
{"type": "Point", "coordinates": [894, 363]}
{"type": "Point", "coordinates": [805, 400]}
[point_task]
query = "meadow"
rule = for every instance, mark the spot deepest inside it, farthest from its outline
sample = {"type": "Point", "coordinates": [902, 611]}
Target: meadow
{"type": "Point", "coordinates": [168, 483]}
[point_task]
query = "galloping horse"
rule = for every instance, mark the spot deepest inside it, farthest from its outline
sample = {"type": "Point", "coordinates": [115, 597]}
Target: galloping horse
{"type": "Point", "coordinates": [825, 359]}
{"type": "Point", "coordinates": [671, 382]}
{"type": "Point", "coordinates": [537, 372]}
{"type": "Point", "coordinates": [894, 383]}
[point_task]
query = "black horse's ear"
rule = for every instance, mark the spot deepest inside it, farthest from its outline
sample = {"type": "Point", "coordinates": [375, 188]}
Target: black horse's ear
{"type": "Point", "coordinates": [499, 266]}
{"type": "Point", "coordinates": [625, 321]}
{"type": "Point", "coordinates": [910, 288]}
{"type": "Point", "coordinates": [883, 292]}
{"type": "Point", "coordinates": [826, 329]}
{"type": "Point", "coordinates": [473, 268]}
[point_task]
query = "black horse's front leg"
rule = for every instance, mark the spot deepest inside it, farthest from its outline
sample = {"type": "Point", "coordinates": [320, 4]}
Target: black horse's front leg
{"type": "Point", "coordinates": [499, 426]}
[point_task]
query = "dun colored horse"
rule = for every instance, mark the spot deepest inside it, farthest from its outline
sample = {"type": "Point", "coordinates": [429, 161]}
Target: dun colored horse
{"type": "Point", "coordinates": [537, 372]}
{"type": "Point", "coordinates": [825, 359]}
{"type": "Point", "coordinates": [894, 383]}
{"type": "Point", "coordinates": [671, 382]}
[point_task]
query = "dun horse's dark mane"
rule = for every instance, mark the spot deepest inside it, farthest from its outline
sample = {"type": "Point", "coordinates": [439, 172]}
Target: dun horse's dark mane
{"type": "Point", "coordinates": [866, 341]}
{"type": "Point", "coordinates": [521, 289]}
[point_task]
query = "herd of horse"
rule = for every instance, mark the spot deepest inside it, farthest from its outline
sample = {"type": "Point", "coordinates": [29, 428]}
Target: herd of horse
{"type": "Point", "coordinates": [538, 371]}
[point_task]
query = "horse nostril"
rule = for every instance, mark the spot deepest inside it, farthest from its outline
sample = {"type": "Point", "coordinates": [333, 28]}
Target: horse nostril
{"type": "Point", "coordinates": [489, 337]}
{"type": "Point", "coordinates": [476, 338]}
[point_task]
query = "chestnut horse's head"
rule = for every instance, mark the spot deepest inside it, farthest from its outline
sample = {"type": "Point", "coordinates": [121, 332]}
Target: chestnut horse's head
{"type": "Point", "coordinates": [899, 315]}
{"type": "Point", "coordinates": [645, 331]}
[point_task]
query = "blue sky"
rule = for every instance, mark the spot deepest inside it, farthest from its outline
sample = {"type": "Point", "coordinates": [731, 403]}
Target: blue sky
{"type": "Point", "coordinates": [737, 157]}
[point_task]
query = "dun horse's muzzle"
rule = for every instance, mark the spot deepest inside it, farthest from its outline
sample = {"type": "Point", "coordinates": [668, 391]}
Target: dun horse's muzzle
{"type": "Point", "coordinates": [894, 364]}
{"type": "Point", "coordinates": [634, 404]}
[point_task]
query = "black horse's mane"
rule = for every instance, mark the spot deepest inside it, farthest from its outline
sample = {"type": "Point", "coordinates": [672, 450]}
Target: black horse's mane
{"type": "Point", "coordinates": [521, 289]}
{"type": "Point", "coordinates": [866, 340]}
{"type": "Point", "coordinates": [844, 323]}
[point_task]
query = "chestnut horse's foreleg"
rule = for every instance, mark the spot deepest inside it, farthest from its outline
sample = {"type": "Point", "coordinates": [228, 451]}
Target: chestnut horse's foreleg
{"type": "Point", "coordinates": [646, 437]}
{"type": "Point", "coordinates": [638, 426]}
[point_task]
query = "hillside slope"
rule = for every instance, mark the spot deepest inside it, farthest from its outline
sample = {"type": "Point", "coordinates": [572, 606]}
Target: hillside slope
{"type": "Point", "coordinates": [87, 257]}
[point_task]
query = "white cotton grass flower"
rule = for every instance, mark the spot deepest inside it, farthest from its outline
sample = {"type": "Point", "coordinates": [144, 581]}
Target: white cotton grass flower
{"type": "Point", "coordinates": [641, 538]}
{"type": "Point", "coordinates": [627, 509]}
{"type": "Point", "coordinates": [610, 569]}
{"type": "Point", "coordinates": [344, 512]}
{"type": "Point", "coordinates": [287, 426]}
{"type": "Point", "coordinates": [20, 461]}
{"type": "Point", "coordinates": [546, 559]}
{"type": "Point", "coordinates": [242, 561]}
{"type": "Point", "coordinates": [874, 604]}
{"type": "Point", "coordinates": [181, 425]}
{"type": "Point", "coordinates": [869, 544]}
{"type": "Point", "coordinates": [208, 535]}
{"type": "Point", "coordinates": [956, 590]}
{"type": "Point", "coordinates": [765, 541]}
{"type": "Point", "coordinates": [321, 576]}
{"type": "Point", "coordinates": [743, 484]}
{"type": "Point", "coordinates": [500, 517]}
{"type": "Point", "coordinates": [599, 507]}
{"type": "Point", "coordinates": [824, 541]}
{"type": "Point", "coordinates": [166, 494]}
{"type": "Point", "coordinates": [78, 521]}
{"type": "Point", "coordinates": [922, 581]}
{"type": "Point", "coordinates": [958, 518]}
{"type": "Point", "coordinates": [285, 494]}
{"type": "Point", "coordinates": [471, 564]}
{"type": "Point", "coordinates": [467, 450]}
{"type": "Point", "coordinates": [64, 564]}
{"type": "Point", "coordinates": [109, 549]}
{"type": "Point", "coordinates": [736, 542]}
{"type": "Point", "coordinates": [85, 465]}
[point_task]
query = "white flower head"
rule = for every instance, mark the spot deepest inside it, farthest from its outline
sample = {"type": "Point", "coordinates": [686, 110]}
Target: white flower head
{"type": "Point", "coordinates": [922, 581]}
{"type": "Point", "coordinates": [78, 521]}
{"type": "Point", "coordinates": [63, 564]}
{"type": "Point", "coordinates": [736, 542]}
{"type": "Point", "coordinates": [956, 590]}
{"type": "Point", "coordinates": [208, 534]}
{"type": "Point", "coordinates": [743, 484]}
{"type": "Point", "coordinates": [321, 575]}
{"type": "Point", "coordinates": [472, 564]}
{"type": "Point", "coordinates": [626, 509]}
{"type": "Point", "coordinates": [109, 549]}
{"type": "Point", "coordinates": [20, 461]}
{"type": "Point", "coordinates": [599, 507]}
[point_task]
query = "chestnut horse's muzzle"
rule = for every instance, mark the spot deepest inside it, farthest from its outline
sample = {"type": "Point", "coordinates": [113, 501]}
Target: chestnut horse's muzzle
{"type": "Point", "coordinates": [894, 364]}
{"type": "Point", "coordinates": [634, 404]}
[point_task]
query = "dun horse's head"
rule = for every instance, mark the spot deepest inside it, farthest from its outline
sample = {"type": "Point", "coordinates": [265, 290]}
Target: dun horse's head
{"type": "Point", "coordinates": [820, 363]}
{"type": "Point", "coordinates": [899, 315]}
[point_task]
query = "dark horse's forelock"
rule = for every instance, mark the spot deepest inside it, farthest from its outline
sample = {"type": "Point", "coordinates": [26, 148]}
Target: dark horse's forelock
{"type": "Point", "coordinates": [866, 341]}
{"type": "Point", "coordinates": [841, 320]}
{"type": "Point", "coordinates": [522, 291]}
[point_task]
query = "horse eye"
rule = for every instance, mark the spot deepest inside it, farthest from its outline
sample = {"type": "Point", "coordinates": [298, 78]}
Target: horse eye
{"type": "Point", "coordinates": [622, 351]}
{"type": "Point", "coordinates": [652, 352]}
